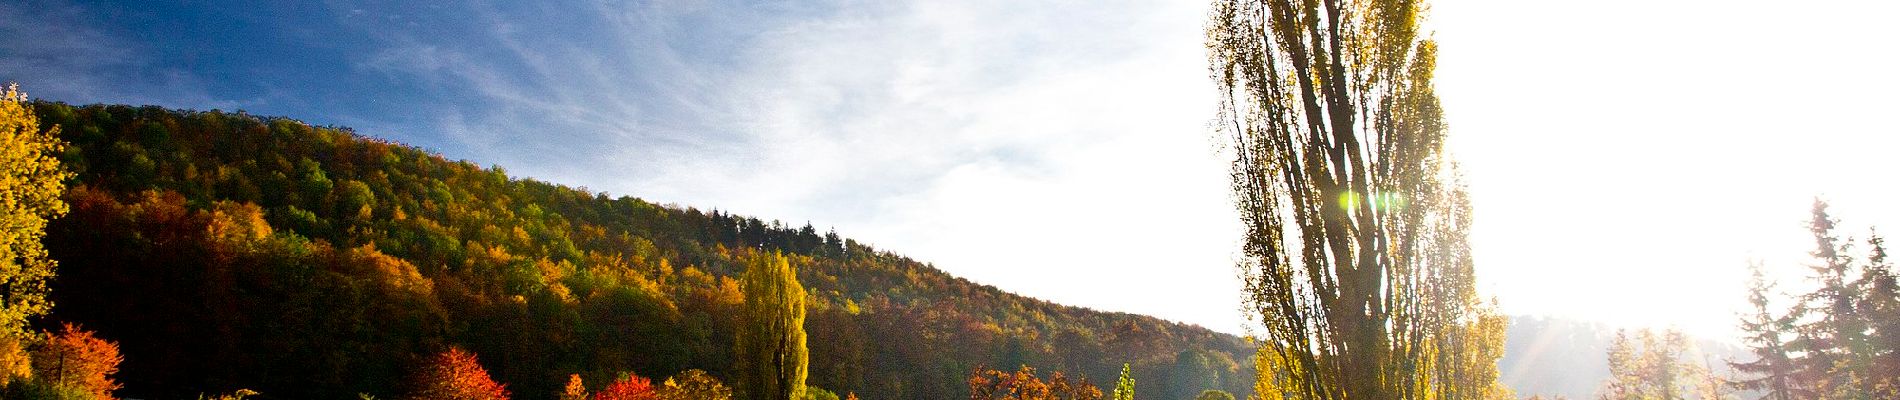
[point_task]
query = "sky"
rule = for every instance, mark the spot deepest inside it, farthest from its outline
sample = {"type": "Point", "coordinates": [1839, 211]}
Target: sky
{"type": "Point", "coordinates": [1626, 158]}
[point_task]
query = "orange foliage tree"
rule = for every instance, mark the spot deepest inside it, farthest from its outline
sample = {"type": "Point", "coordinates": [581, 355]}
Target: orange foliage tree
{"type": "Point", "coordinates": [989, 384]}
{"type": "Point", "coordinates": [575, 390]}
{"type": "Point", "coordinates": [629, 387]}
{"type": "Point", "coordinates": [74, 359]}
{"type": "Point", "coordinates": [456, 375]}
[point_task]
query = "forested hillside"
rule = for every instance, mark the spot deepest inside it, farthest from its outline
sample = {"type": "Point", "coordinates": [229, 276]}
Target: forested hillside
{"type": "Point", "coordinates": [227, 251]}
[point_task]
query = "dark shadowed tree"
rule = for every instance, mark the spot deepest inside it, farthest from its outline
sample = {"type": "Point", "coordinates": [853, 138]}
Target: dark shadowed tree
{"type": "Point", "coordinates": [1357, 264]}
{"type": "Point", "coordinates": [1214, 395]}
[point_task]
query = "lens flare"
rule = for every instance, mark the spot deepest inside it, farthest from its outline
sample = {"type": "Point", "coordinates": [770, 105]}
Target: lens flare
{"type": "Point", "coordinates": [1383, 201]}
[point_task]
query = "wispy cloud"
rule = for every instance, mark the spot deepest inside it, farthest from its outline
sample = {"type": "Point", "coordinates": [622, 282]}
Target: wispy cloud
{"type": "Point", "coordinates": [1049, 147]}
{"type": "Point", "coordinates": [1025, 144]}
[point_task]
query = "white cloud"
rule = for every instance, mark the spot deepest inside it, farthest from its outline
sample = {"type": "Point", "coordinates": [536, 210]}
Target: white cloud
{"type": "Point", "coordinates": [1051, 148]}
{"type": "Point", "coordinates": [1054, 149]}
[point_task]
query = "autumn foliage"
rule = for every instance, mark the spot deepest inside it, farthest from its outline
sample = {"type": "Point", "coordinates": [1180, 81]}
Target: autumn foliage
{"type": "Point", "coordinates": [694, 384]}
{"type": "Point", "coordinates": [628, 387]}
{"type": "Point", "coordinates": [989, 384]}
{"type": "Point", "coordinates": [31, 180]}
{"type": "Point", "coordinates": [575, 389]}
{"type": "Point", "coordinates": [201, 240]}
{"type": "Point", "coordinates": [456, 375]}
{"type": "Point", "coordinates": [74, 359]}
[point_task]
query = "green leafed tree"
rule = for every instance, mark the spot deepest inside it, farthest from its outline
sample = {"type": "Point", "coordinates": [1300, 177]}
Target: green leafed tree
{"type": "Point", "coordinates": [771, 334]}
{"type": "Point", "coordinates": [1356, 262]}
{"type": "Point", "coordinates": [1124, 386]}
{"type": "Point", "coordinates": [31, 181]}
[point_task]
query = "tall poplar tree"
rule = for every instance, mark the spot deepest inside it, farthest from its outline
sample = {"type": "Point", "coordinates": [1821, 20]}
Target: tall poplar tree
{"type": "Point", "coordinates": [1356, 260]}
{"type": "Point", "coordinates": [31, 182]}
{"type": "Point", "coordinates": [1124, 386]}
{"type": "Point", "coordinates": [771, 336]}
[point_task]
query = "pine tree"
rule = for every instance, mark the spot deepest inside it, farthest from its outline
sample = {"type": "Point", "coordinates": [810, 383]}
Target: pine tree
{"type": "Point", "coordinates": [1772, 373]}
{"type": "Point", "coordinates": [1880, 307]}
{"type": "Point", "coordinates": [1831, 340]}
{"type": "Point", "coordinates": [771, 339]}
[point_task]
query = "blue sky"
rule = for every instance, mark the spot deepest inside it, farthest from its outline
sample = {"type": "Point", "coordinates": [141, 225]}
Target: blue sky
{"type": "Point", "coordinates": [1625, 166]}
{"type": "Point", "coordinates": [1052, 148]}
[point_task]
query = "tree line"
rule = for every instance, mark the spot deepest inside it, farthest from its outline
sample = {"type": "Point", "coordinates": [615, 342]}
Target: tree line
{"type": "Point", "coordinates": [1839, 340]}
{"type": "Point", "coordinates": [225, 251]}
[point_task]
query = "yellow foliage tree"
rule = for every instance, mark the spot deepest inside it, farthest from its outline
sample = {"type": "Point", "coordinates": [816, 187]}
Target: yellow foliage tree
{"type": "Point", "coordinates": [694, 384]}
{"type": "Point", "coordinates": [771, 341]}
{"type": "Point", "coordinates": [1357, 265]}
{"type": "Point", "coordinates": [31, 182]}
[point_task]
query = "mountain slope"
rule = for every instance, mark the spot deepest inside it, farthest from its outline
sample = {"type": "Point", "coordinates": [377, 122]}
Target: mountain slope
{"type": "Point", "coordinates": [231, 251]}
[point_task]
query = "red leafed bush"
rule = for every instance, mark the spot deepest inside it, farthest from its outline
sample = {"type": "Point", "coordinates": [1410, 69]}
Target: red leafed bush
{"type": "Point", "coordinates": [455, 375]}
{"type": "Point", "coordinates": [630, 387]}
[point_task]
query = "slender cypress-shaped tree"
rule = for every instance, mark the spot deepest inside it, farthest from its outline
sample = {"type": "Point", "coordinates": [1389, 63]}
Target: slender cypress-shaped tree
{"type": "Point", "coordinates": [1124, 386]}
{"type": "Point", "coordinates": [1356, 261]}
{"type": "Point", "coordinates": [771, 339]}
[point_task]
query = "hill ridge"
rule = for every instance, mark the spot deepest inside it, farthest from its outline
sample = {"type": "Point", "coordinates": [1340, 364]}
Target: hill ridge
{"type": "Point", "coordinates": [216, 211]}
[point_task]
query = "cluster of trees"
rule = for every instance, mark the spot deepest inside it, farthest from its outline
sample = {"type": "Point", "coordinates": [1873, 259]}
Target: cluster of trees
{"type": "Point", "coordinates": [456, 374]}
{"type": "Point", "coordinates": [69, 363]}
{"type": "Point", "coordinates": [227, 251]}
{"type": "Point", "coordinates": [1650, 365]}
{"type": "Point", "coordinates": [1357, 264]}
{"type": "Point", "coordinates": [1839, 341]}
